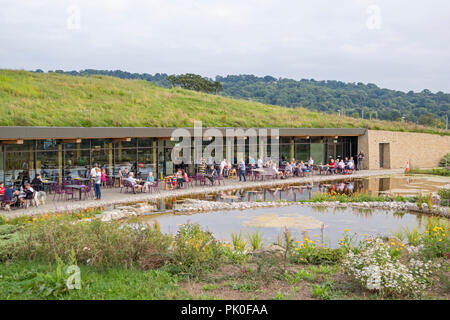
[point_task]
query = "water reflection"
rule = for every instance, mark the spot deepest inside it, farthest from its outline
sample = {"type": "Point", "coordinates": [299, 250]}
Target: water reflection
{"type": "Point", "coordinates": [397, 184]}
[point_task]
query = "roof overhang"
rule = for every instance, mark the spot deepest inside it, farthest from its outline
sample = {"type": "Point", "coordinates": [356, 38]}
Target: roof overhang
{"type": "Point", "coordinates": [40, 133]}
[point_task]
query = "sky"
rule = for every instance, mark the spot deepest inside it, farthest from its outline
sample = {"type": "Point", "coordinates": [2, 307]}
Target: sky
{"type": "Point", "coordinates": [396, 44]}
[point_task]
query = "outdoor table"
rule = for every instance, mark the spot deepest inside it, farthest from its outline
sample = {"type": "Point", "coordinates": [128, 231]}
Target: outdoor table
{"type": "Point", "coordinates": [75, 186]}
{"type": "Point", "coordinates": [47, 184]}
{"type": "Point", "coordinates": [115, 179]}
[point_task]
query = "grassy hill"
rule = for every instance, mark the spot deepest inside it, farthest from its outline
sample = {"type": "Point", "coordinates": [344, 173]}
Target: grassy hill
{"type": "Point", "coordinates": [51, 99]}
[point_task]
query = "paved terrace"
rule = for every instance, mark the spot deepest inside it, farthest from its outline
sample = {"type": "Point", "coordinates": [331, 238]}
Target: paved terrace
{"type": "Point", "coordinates": [113, 196]}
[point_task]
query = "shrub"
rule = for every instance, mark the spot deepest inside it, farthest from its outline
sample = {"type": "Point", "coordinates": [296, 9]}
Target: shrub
{"type": "Point", "coordinates": [2, 220]}
{"type": "Point", "coordinates": [196, 250]}
{"type": "Point", "coordinates": [310, 252]}
{"type": "Point", "coordinates": [94, 243]}
{"type": "Point", "coordinates": [53, 283]}
{"type": "Point", "coordinates": [376, 269]}
{"type": "Point", "coordinates": [444, 194]}
{"type": "Point", "coordinates": [445, 161]}
{"type": "Point", "coordinates": [435, 240]}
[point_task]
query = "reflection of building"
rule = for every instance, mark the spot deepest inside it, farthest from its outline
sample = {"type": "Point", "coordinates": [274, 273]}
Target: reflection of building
{"type": "Point", "coordinates": [58, 152]}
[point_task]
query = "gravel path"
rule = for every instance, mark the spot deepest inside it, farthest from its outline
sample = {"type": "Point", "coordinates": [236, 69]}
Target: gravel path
{"type": "Point", "coordinates": [114, 197]}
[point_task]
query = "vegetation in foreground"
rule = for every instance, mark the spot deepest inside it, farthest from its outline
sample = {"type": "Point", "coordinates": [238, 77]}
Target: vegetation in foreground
{"type": "Point", "coordinates": [38, 99]}
{"type": "Point", "coordinates": [137, 261]}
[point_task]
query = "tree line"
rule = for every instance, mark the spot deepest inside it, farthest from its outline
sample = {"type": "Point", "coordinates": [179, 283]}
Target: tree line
{"type": "Point", "coordinates": [352, 99]}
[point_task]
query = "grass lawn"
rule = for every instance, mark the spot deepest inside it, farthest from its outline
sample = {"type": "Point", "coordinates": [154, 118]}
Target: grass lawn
{"type": "Point", "coordinates": [40, 99]}
{"type": "Point", "coordinates": [113, 283]}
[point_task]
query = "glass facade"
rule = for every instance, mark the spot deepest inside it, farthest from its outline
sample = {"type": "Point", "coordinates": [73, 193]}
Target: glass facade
{"type": "Point", "coordinates": [57, 160]}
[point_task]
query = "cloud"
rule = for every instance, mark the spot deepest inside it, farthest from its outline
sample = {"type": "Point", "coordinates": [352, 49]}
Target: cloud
{"type": "Point", "coordinates": [321, 39]}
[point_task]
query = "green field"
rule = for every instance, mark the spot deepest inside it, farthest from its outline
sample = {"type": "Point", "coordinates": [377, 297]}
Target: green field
{"type": "Point", "coordinates": [50, 99]}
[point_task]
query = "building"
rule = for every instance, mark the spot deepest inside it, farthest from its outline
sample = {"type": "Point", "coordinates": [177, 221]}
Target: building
{"type": "Point", "coordinates": [63, 152]}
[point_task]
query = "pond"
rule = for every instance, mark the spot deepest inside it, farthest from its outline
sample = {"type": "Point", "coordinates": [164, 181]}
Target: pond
{"type": "Point", "coordinates": [317, 223]}
{"type": "Point", "coordinates": [300, 221]}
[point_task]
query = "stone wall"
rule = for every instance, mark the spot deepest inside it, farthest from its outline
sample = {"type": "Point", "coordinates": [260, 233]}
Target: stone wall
{"type": "Point", "coordinates": [422, 150]}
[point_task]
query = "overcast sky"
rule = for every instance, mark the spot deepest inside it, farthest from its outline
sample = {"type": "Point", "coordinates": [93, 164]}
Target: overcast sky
{"type": "Point", "coordinates": [396, 44]}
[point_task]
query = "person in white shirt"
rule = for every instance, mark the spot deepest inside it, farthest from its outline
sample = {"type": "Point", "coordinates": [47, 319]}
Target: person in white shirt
{"type": "Point", "coordinates": [94, 170]}
{"type": "Point", "coordinates": [260, 163]}
{"type": "Point", "coordinates": [310, 162]}
{"type": "Point", "coordinates": [222, 166]}
{"type": "Point", "coordinates": [133, 182]}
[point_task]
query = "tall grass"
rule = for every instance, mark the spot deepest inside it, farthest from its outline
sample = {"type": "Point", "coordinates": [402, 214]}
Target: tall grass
{"type": "Point", "coordinates": [255, 240]}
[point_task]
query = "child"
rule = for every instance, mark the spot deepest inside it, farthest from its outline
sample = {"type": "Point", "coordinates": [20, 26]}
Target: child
{"type": "Point", "coordinates": [103, 177]}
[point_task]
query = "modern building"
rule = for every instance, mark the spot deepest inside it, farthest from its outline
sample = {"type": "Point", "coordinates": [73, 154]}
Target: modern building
{"type": "Point", "coordinates": [62, 152]}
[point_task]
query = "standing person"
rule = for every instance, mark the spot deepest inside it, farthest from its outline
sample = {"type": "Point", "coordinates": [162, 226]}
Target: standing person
{"type": "Point", "coordinates": [242, 170]}
{"type": "Point", "coordinates": [222, 166]}
{"type": "Point", "coordinates": [2, 188]}
{"type": "Point", "coordinates": [94, 170]}
{"type": "Point", "coordinates": [103, 177]}
{"type": "Point", "coordinates": [360, 160]}
{"type": "Point", "coordinates": [97, 182]}
{"type": "Point", "coordinates": [407, 167]}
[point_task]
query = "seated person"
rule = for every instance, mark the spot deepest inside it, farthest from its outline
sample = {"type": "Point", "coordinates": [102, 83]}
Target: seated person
{"type": "Point", "coordinates": [37, 182]}
{"type": "Point", "coordinates": [180, 178]}
{"type": "Point", "coordinates": [341, 166]}
{"type": "Point", "coordinates": [149, 181]}
{"type": "Point", "coordinates": [26, 193]}
{"type": "Point", "coordinates": [275, 170]}
{"type": "Point", "coordinates": [351, 164]}
{"type": "Point", "coordinates": [211, 174]}
{"type": "Point", "coordinates": [11, 194]}
{"type": "Point", "coordinates": [133, 182]}
{"type": "Point", "coordinates": [332, 166]}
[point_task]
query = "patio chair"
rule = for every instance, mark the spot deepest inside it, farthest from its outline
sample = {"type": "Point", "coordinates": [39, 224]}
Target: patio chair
{"type": "Point", "coordinates": [127, 185]}
{"type": "Point", "coordinates": [201, 179]}
{"type": "Point", "coordinates": [68, 194]}
{"type": "Point", "coordinates": [58, 191]}
{"type": "Point", "coordinates": [154, 187]}
{"type": "Point", "coordinates": [109, 182]}
{"type": "Point", "coordinates": [86, 192]}
{"type": "Point", "coordinates": [220, 180]}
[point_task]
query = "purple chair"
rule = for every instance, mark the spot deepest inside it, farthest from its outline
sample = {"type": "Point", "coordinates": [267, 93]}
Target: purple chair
{"type": "Point", "coordinates": [58, 191]}
{"type": "Point", "coordinates": [154, 187]}
{"type": "Point", "coordinates": [68, 192]}
{"type": "Point", "coordinates": [86, 192]}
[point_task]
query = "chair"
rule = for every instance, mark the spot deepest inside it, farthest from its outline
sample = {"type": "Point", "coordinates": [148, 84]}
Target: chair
{"type": "Point", "coordinates": [201, 179]}
{"type": "Point", "coordinates": [58, 191]}
{"type": "Point", "coordinates": [155, 187]}
{"type": "Point", "coordinates": [109, 182]}
{"type": "Point", "coordinates": [127, 185]}
{"type": "Point", "coordinates": [86, 192]}
{"type": "Point", "coordinates": [7, 201]}
{"type": "Point", "coordinates": [68, 192]}
{"type": "Point", "coordinates": [219, 180]}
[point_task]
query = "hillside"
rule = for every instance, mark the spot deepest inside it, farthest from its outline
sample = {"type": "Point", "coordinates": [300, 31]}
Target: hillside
{"type": "Point", "coordinates": [352, 99]}
{"type": "Point", "coordinates": [52, 99]}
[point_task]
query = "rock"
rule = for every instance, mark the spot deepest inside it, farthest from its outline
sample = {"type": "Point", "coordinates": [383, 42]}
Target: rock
{"type": "Point", "coordinates": [273, 250]}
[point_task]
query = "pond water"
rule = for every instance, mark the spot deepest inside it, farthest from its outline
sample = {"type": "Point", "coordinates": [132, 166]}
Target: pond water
{"type": "Point", "coordinates": [302, 220]}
